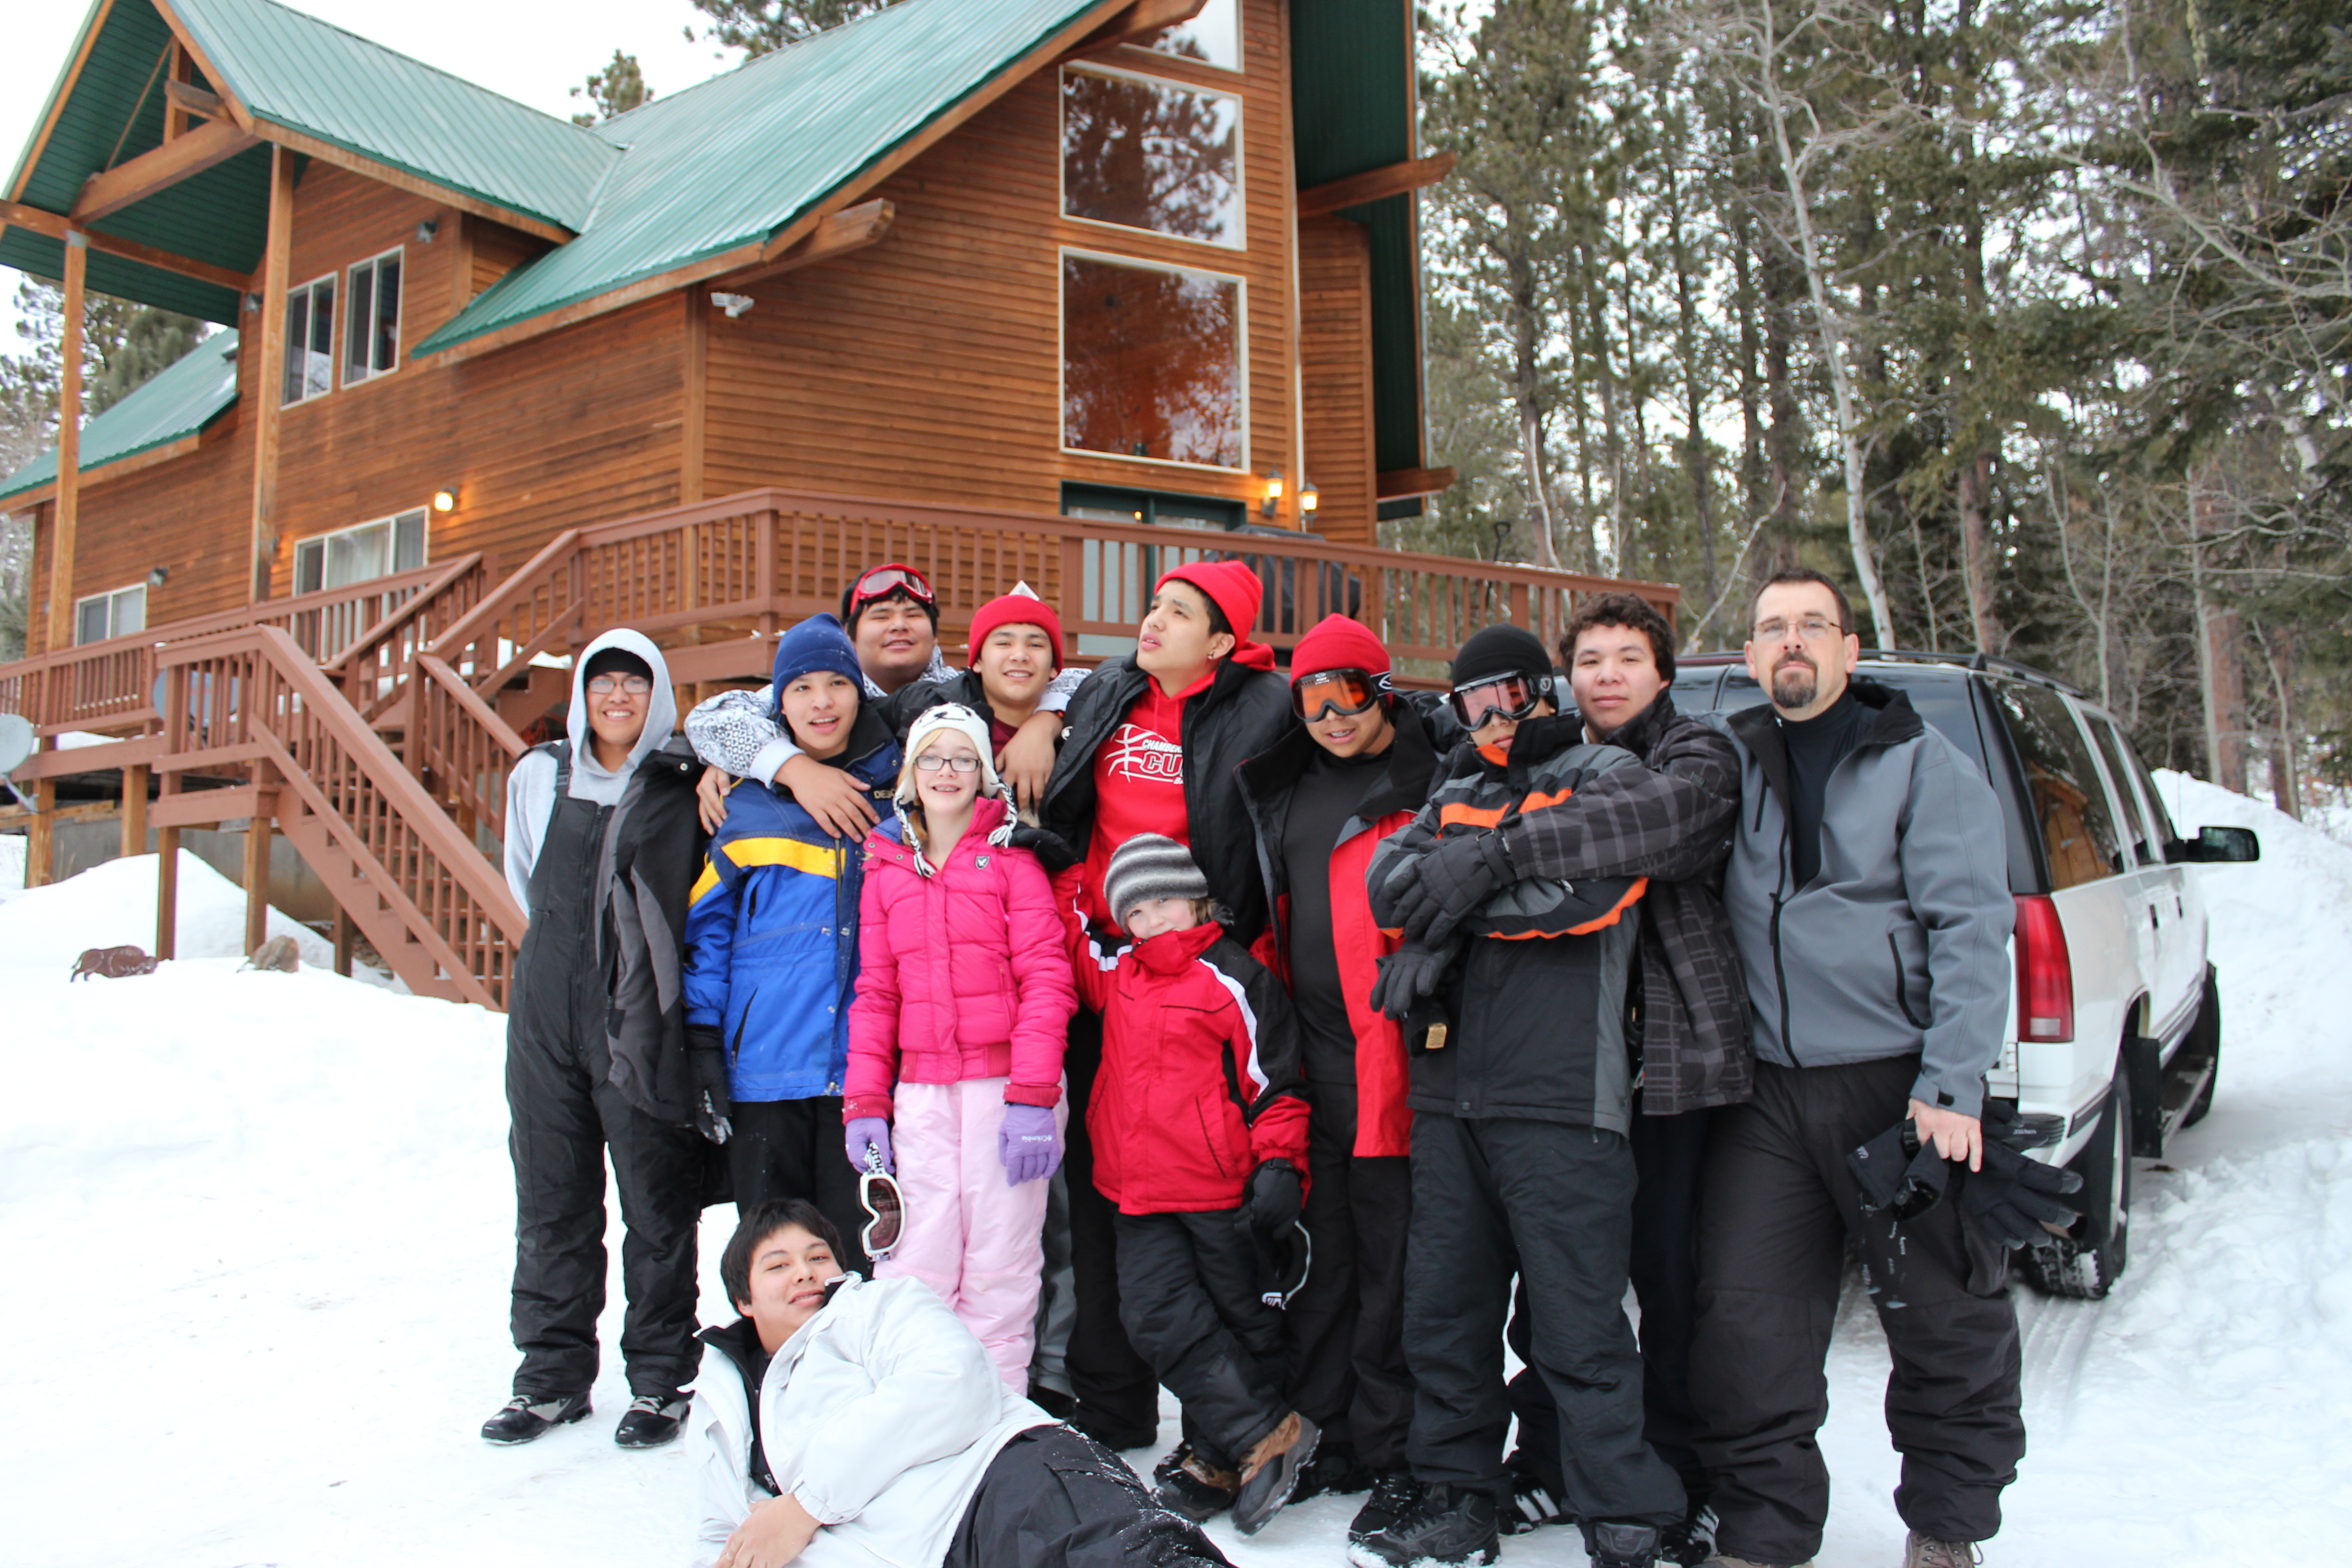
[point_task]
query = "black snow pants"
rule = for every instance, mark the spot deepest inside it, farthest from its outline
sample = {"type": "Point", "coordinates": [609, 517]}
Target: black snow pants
{"type": "Point", "coordinates": [1668, 1152]}
{"type": "Point", "coordinates": [1188, 1288]}
{"type": "Point", "coordinates": [1054, 1498]}
{"type": "Point", "coordinates": [1553, 1202]}
{"type": "Point", "coordinates": [1345, 1327]}
{"type": "Point", "coordinates": [1777, 1208]}
{"type": "Point", "coordinates": [566, 1114]}
{"type": "Point", "coordinates": [1116, 1391]}
{"type": "Point", "coordinates": [795, 1149]}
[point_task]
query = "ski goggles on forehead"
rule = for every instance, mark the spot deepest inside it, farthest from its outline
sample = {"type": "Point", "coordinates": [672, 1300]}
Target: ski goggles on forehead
{"type": "Point", "coordinates": [1346, 692]}
{"type": "Point", "coordinates": [884, 581]}
{"type": "Point", "coordinates": [1505, 696]}
{"type": "Point", "coordinates": [884, 1206]}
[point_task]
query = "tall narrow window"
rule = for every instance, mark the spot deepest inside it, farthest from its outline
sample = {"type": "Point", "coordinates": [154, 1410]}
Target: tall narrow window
{"type": "Point", "coordinates": [1152, 154]}
{"type": "Point", "coordinates": [111, 615]}
{"type": "Point", "coordinates": [352, 555]}
{"type": "Point", "coordinates": [309, 340]}
{"type": "Point", "coordinates": [1151, 362]}
{"type": "Point", "coordinates": [372, 333]}
{"type": "Point", "coordinates": [1214, 37]}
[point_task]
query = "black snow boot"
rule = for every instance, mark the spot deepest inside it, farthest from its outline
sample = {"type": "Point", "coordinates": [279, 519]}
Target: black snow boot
{"type": "Point", "coordinates": [1185, 1483]}
{"type": "Point", "coordinates": [1273, 1473]}
{"type": "Point", "coordinates": [529, 1415]}
{"type": "Point", "coordinates": [1449, 1527]}
{"type": "Point", "coordinates": [1621, 1545]}
{"type": "Point", "coordinates": [1394, 1494]}
{"type": "Point", "coordinates": [1534, 1502]}
{"type": "Point", "coordinates": [1691, 1542]}
{"type": "Point", "coordinates": [651, 1420]}
{"type": "Point", "coordinates": [1334, 1469]}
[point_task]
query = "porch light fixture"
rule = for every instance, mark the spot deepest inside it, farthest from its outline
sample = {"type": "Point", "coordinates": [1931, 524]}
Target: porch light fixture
{"type": "Point", "coordinates": [444, 500]}
{"type": "Point", "coordinates": [427, 230]}
{"type": "Point", "coordinates": [155, 575]}
{"type": "Point", "coordinates": [733, 304]}
{"type": "Point", "coordinates": [1308, 498]}
{"type": "Point", "coordinates": [1273, 502]}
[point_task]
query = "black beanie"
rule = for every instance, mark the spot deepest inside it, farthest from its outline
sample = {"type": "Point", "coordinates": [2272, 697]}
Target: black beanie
{"type": "Point", "coordinates": [615, 661]}
{"type": "Point", "coordinates": [1501, 650]}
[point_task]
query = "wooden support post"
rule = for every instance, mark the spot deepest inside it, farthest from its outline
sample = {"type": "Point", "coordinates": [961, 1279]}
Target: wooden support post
{"type": "Point", "coordinates": [346, 938]}
{"type": "Point", "coordinates": [256, 880]}
{"type": "Point", "coordinates": [66, 513]}
{"type": "Point", "coordinates": [167, 891]}
{"type": "Point", "coordinates": [134, 809]}
{"type": "Point", "coordinates": [41, 836]}
{"type": "Point", "coordinates": [270, 370]}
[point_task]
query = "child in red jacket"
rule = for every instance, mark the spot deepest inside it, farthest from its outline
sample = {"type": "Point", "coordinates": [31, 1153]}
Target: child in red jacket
{"type": "Point", "coordinates": [1199, 1126]}
{"type": "Point", "coordinates": [963, 1011]}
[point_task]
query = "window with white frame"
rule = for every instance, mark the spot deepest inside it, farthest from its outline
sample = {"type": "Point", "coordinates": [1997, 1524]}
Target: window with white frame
{"type": "Point", "coordinates": [1214, 37]}
{"type": "Point", "coordinates": [310, 340]}
{"type": "Point", "coordinates": [1151, 362]}
{"type": "Point", "coordinates": [372, 318]}
{"type": "Point", "coordinates": [115, 614]}
{"type": "Point", "coordinates": [352, 555]}
{"type": "Point", "coordinates": [1152, 154]}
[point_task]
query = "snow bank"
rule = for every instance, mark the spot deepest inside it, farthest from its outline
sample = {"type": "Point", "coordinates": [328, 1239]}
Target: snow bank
{"type": "Point", "coordinates": [113, 904]}
{"type": "Point", "coordinates": [11, 866]}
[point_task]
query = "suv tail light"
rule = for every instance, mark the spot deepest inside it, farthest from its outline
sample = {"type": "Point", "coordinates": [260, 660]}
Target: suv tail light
{"type": "Point", "coordinates": [2045, 974]}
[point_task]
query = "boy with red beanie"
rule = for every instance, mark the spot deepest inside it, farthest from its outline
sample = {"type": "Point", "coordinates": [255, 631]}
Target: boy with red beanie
{"type": "Point", "coordinates": [1152, 741]}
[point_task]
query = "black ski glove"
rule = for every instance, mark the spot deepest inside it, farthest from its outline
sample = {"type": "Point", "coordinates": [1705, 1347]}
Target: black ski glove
{"type": "Point", "coordinates": [707, 1053]}
{"type": "Point", "coordinates": [1274, 1197]}
{"type": "Point", "coordinates": [1408, 974]}
{"type": "Point", "coordinates": [1898, 1177]}
{"type": "Point", "coordinates": [2016, 1200]}
{"type": "Point", "coordinates": [1455, 878]}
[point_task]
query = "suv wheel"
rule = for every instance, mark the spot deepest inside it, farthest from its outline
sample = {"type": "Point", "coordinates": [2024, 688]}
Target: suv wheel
{"type": "Point", "coordinates": [2086, 1265]}
{"type": "Point", "coordinates": [2204, 1046]}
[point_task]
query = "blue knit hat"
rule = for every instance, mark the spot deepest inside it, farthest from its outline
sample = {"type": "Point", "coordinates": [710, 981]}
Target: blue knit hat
{"type": "Point", "coordinates": [816, 644]}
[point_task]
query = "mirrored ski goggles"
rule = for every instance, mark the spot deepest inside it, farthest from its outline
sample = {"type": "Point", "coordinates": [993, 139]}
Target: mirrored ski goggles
{"type": "Point", "coordinates": [884, 1206]}
{"type": "Point", "coordinates": [884, 581]}
{"type": "Point", "coordinates": [1346, 692]}
{"type": "Point", "coordinates": [1504, 695]}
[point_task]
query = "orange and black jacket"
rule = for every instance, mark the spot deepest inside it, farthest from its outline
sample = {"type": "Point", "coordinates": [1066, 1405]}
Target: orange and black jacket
{"type": "Point", "coordinates": [1537, 998]}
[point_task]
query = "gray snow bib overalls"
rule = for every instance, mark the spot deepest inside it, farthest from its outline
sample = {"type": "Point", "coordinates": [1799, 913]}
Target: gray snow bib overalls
{"type": "Point", "coordinates": [565, 1112]}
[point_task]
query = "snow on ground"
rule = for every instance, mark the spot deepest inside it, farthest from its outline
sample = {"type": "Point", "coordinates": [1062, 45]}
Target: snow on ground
{"type": "Point", "coordinates": [259, 1227]}
{"type": "Point", "coordinates": [11, 866]}
{"type": "Point", "coordinates": [113, 904]}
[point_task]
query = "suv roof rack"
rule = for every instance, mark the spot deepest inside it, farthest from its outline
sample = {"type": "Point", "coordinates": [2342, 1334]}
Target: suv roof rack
{"type": "Point", "coordinates": [1988, 663]}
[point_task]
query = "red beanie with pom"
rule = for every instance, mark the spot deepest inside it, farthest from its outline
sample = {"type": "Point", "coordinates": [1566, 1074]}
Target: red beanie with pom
{"type": "Point", "coordinates": [1019, 608]}
{"type": "Point", "coordinates": [1336, 642]}
{"type": "Point", "coordinates": [1231, 585]}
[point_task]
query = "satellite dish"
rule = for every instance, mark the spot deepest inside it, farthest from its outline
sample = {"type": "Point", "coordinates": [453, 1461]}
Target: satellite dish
{"type": "Point", "coordinates": [15, 741]}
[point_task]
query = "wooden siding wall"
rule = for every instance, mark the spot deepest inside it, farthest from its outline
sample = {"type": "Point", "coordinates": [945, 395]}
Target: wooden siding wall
{"type": "Point", "coordinates": [928, 366]}
{"type": "Point", "coordinates": [1335, 348]}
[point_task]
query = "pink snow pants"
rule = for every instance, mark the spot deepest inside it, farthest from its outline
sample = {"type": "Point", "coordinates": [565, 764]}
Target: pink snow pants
{"type": "Point", "coordinates": [976, 1240]}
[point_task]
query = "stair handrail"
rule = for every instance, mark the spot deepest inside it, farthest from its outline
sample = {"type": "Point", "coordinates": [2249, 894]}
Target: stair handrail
{"type": "Point", "coordinates": [405, 611]}
{"type": "Point", "coordinates": [438, 754]}
{"type": "Point", "coordinates": [483, 618]}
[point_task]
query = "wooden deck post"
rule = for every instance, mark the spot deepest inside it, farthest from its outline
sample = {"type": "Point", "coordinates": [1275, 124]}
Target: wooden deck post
{"type": "Point", "coordinates": [167, 891]}
{"type": "Point", "coordinates": [270, 370]}
{"type": "Point", "coordinates": [41, 836]}
{"type": "Point", "coordinates": [65, 514]}
{"type": "Point", "coordinates": [256, 880]}
{"type": "Point", "coordinates": [346, 937]}
{"type": "Point", "coordinates": [134, 809]}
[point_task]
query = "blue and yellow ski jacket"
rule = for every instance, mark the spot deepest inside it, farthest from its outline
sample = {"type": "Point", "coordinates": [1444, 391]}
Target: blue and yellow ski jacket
{"type": "Point", "coordinates": [772, 933]}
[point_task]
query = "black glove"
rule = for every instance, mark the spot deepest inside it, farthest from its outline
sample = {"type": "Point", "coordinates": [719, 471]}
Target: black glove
{"type": "Point", "coordinates": [1406, 975]}
{"type": "Point", "coordinates": [1275, 1196]}
{"type": "Point", "coordinates": [2015, 1200]}
{"type": "Point", "coordinates": [708, 1054]}
{"type": "Point", "coordinates": [1899, 1178]}
{"type": "Point", "coordinates": [1454, 879]}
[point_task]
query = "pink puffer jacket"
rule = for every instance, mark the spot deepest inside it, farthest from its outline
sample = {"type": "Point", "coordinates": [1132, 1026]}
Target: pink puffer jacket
{"type": "Point", "coordinates": [963, 973]}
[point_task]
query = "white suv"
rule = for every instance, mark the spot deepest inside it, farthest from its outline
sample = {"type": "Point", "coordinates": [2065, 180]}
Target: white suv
{"type": "Point", "coordinates": [2114, 1027]}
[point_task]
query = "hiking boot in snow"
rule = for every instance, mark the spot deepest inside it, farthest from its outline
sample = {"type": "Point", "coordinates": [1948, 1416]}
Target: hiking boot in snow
{"type": "Point", "coordinates": [1691, 1542]}
{"type": "Point", "coordinates": [1393, 1495]}
{"type": "Point", "coordinates": [650, 1421]}
{"type": "Point", "coordinates": [1184, 1483]}
{"type": "Point", "coordinates": [530, 1415]}
{"type": "Point", "coordinates": [1621, 1545]}
{"type": "Point", "coordinates": [1534, 1501]}
{"type": "Point", "coordinates": [1271, 1473]}
{"type": "Point", "coordinates": [1925, 1551]}
{"type": "Point", "coordinates": [1449, 1527]}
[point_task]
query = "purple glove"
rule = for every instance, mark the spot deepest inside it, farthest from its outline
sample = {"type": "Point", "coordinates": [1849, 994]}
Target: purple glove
{"type": "Point", "coordinates": [871, 1129]}
{"type": "Point", "coordinates": [1028, 1143]}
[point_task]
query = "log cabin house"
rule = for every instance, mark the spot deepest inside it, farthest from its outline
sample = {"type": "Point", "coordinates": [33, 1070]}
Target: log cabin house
{"type": "Point", "coordinates": [1061, 290]}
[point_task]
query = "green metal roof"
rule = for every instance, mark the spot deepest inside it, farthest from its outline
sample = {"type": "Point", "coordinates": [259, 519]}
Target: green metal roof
{"type": "Point", "coordinates": [739, 158]}
{"type": "Point", "coordinates": [179, 401]}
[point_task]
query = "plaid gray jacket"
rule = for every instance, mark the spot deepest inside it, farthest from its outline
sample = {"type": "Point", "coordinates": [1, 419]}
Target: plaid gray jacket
{"type": "Point", "coordinates": [1671, 822]}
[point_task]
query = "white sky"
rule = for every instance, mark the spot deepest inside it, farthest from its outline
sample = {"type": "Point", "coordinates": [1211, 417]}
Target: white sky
{"type": "Point", "coordinates": [534, 51]}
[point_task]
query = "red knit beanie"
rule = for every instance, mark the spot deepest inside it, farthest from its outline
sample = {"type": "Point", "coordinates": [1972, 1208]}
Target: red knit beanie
{"type": "Point", "coordinates": [1231, 585]}
{"type": "Point", "coordinates": [1335, 642]}
{"type": "Point", "coordinates": [1019, 608]}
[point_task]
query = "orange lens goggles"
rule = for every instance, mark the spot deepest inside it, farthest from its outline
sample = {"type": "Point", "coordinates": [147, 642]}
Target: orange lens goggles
{"type": "Point", "coordinates": [1342, 691]}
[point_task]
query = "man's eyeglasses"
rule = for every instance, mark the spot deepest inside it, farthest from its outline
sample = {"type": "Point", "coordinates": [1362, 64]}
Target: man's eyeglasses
{"type": "Point", "coordinates": [884, 1206]}
{"type": "Point", "coordinates": [1813, 628]}
{"type": "Point", "coordinates": [932, 762]}
{"type": "Point", "coordinates": [606, 685]}
{"type": "Point", "coordinates": [884, 581]}
{"type": "Point", "coordinates": [1346, 692]}
{"type": "Point", "coordinates": [1505, 696]}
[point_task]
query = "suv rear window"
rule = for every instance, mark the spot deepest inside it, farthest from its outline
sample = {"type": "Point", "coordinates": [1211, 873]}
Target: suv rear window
{"type": "Point", "coordinates": [2079, 841]}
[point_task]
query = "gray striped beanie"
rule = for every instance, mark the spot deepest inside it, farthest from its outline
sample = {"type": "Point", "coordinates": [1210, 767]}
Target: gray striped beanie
{"type": "Point", "coordinates": [1149, 865]}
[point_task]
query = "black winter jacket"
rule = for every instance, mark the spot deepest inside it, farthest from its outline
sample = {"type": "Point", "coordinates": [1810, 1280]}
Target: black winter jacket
{"type": "Point", "coordinates": [1243, 712]}
{"type": "Point", "coordinates": [1538, 998]}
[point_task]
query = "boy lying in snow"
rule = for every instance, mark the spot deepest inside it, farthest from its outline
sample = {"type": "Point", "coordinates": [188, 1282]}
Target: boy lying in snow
{"type": "Point", "coordinates": [843, 1421]}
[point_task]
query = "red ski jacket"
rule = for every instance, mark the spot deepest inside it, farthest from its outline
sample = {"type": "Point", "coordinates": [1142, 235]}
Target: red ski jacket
{"type": "Point", "coordinates": [1200, 1081]}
